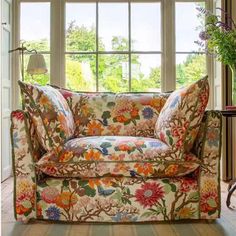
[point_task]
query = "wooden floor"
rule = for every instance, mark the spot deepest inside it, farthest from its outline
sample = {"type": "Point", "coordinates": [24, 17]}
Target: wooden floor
{"type": "Point", "coordinates": [226, 225]}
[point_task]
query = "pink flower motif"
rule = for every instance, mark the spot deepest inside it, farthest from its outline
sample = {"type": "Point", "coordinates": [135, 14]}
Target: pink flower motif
{"type": "Point", "coordinates": [149, 194]}
{"type": "Point", "coordinates": [49, 194]}
{"type": "Point", "coordinates": [66, 94]}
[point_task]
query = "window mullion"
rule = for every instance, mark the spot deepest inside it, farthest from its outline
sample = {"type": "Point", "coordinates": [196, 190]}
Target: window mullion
{"type": "Point", "coordinates": [168, 46]}
{"type": "Point", "coordinates": [97, 47]}
{"type": "Point", "coordinates": [57, 43]}
{"type": "Point", "coordinates": [129, 27]}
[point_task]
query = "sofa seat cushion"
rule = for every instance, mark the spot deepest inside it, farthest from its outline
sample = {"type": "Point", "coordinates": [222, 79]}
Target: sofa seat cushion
{"type": "Point", "coordinates": [116, 156]}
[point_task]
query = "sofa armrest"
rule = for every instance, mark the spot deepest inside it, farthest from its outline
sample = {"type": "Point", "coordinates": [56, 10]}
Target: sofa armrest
{"type": "Point", "coordinates": [208, 148]}
{"type": "Point", "coordinates": [23, 166]}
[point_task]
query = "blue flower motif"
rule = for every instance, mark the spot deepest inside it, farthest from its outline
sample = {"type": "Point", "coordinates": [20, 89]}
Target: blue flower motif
{"type": "Point", "coordinates": [174, 102]}
{"type": "Point", "coordinates": [147, 113]}
{"type": "Point", "coordinates": [53, 213]}
{"type": "Point", "coordinates": [155, 144]}
{"type": "Point", "coordinates": [15, 140]}
{"type": "Point", "coordinates": [124, 217]}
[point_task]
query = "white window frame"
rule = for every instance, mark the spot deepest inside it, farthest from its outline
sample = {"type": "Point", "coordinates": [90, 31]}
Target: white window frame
{"type": "Point", "coordinates": [57, 41]}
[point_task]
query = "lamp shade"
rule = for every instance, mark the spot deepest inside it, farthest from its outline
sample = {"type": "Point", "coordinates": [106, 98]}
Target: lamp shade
{"type": "Point", "coordinates": [36, 65]}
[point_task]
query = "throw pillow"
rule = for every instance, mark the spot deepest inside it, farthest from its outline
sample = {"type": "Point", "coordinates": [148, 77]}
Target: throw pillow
{"type": "Point", "coordinates": [50, 114]}
{"type": "Point", "coordinates": [180, 118]}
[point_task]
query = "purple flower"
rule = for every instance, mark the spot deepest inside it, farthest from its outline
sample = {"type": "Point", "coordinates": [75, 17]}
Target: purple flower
{"type": "Point", "coordinates": [148, 113]}
{"type": "Point", "coordinates": [204, 36]}
{"type": "Point", "coordinates": [53, 213]}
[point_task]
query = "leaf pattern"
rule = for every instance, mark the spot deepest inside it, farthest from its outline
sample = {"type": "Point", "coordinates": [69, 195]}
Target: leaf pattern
{"type": "Point", "coordinates": [50, 113]}
{"type": "Point", "coordinates": [117, 173]}
{"type": "Point", "coordinates": [180, 118]}
{"type": "Point", "coordinates": [100, 114]}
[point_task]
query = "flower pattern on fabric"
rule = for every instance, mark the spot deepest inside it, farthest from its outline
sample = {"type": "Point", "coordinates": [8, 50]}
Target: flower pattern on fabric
{"type": "Point", "coordinates": [180, 118]}
{"type": "Point", "coordinates": [149, 194]}
{"type": "Point", "coordinates": [207, 146]}
{"type": "Point", "coordinates": [120, 199]}
{"type": "Point", "coordinates": [115, 114]}
{"type": "Point", "coordinates": [50, 114]}
{"type": "Point", "coordinates": [115, 156]}
{"type": "Point", "coordinates": [122, 178]}
{"type": "Point", "coordinates": [24, 189]}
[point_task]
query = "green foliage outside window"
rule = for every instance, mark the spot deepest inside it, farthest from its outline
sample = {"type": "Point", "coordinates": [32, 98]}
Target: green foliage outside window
{"type": "Point", "coordinates": [113, 71]}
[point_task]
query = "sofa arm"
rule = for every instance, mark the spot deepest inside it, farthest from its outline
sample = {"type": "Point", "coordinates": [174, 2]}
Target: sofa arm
{"type": "Point", "coordinates": [208, 148]}
{"type": "Point", "coordinates": [23, 166]}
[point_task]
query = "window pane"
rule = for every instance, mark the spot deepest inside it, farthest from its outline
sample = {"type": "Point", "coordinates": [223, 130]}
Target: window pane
{"type": "Point", "coordinates": [146, 26]}
{"type": "Point", "coordinates": [39, 79]}
{"type": "Point", "coordinates": [113, 26]}
{"type": "Point", "coordinates": [80, 72]}
{"type": "Point", "coordinates": [189, 68]}
{"type": "Point", "coordinates": [146, 73]}
{"type": "Point", "coordinates": [80, 27]}
{"type": "Point", "coordinates": [35, 25]}
{"type": "Point", "coordinates": [188, 25]}
{"type": "Point", "coordinates": [113, 73]}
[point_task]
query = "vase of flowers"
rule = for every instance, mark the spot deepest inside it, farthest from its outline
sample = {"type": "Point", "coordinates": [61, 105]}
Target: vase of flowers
{"type": "Point", "coordinates": [219, 39]}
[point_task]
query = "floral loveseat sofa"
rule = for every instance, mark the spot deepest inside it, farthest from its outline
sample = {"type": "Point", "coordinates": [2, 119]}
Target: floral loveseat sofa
{"type": "Point", "coordinates": [105, 157]}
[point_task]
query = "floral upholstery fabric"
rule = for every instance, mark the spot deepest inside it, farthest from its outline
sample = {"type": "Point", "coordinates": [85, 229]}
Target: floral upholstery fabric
{"type": "Point", "coordinates": [99, 114]}
{"type": "Point", "coordinates": [116, 156]}
{"type": "Point", "coordinates": [207, 147]}
{"type": "Point", "coordinates": [50, 113]}
{"type": "Point", "coordinates": [180, 118]}
{"type": "Point", "coordinates": [23, 168]}
{"type": "Point", "coordinates": [118, 199]}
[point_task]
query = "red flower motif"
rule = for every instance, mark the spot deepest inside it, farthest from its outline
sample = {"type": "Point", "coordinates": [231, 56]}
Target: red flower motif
{"type": "Point", "coordinates": [18, 115]}
{"type": "Point", "coordinates": [205, 199]}
{"type": "Point", "coordinates": [187, 185]}
{"type": "Point", "coordinates": [149, 194]}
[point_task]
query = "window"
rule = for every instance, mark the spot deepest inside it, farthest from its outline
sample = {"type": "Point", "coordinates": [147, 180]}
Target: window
{"type": "Point", "coordinates": [190, 65]}
{"type": "Point", "coordinates": [114, 45]}
{"type": "Point", "coordinates": [35, 33]}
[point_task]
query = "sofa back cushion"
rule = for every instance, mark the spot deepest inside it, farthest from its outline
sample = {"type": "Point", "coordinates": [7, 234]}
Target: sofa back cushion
{"type": "Point", "coordinates": [131, 114]}
{"type": "Point", "coordinates": [180, 118]}
{"type": "Point", "coordinates": [50, 114]}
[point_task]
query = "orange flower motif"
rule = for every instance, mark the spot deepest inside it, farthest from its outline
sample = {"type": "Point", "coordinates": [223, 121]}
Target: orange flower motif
{"type": "Point", "coordinates": [114, 129]}
{"type": "Point", "coordinates": [124, 147]}
{"type": "Point", "coordinates": [144, 168]}
{"type": "Point", "coordinates": [139, 142]}
{"type": "Point", "coordinates": [66, 200]}
{"type": "Point", "coordinates": [185, 212]}
{"type": "Point", "coordinates": [94, 182]}
{"type": "Point", "coordinates": [107, 181]}
{"type": "Point", "coordinates": [20, 210]}
{"type": "Point", "coordinates": [171, 170]}
{"type": "Point", "coordinates": [125, 110]}
{"type": "Point", "coordinates": [94, 128]}
{"type": "Point", "coordinates": [63, 122]}
{"type": "Point", "coordinates": [66, 156]}
{"type": "Point", "coordinates": [157, 103]}
{"type": "Point", "coordinates": [92, 155]}
{"type": "Point", "coordinates": [44, 100]}
{"type": "Point", "coordinates": [85, 110]}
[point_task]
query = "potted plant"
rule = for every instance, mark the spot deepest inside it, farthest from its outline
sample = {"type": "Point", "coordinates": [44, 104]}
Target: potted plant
{"type": "Point", "coordinates": [219, 39]}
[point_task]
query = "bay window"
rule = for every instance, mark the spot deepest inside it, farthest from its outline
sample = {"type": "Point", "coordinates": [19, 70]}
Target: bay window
{"type": "Point", "coordinates": [118, 46]}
